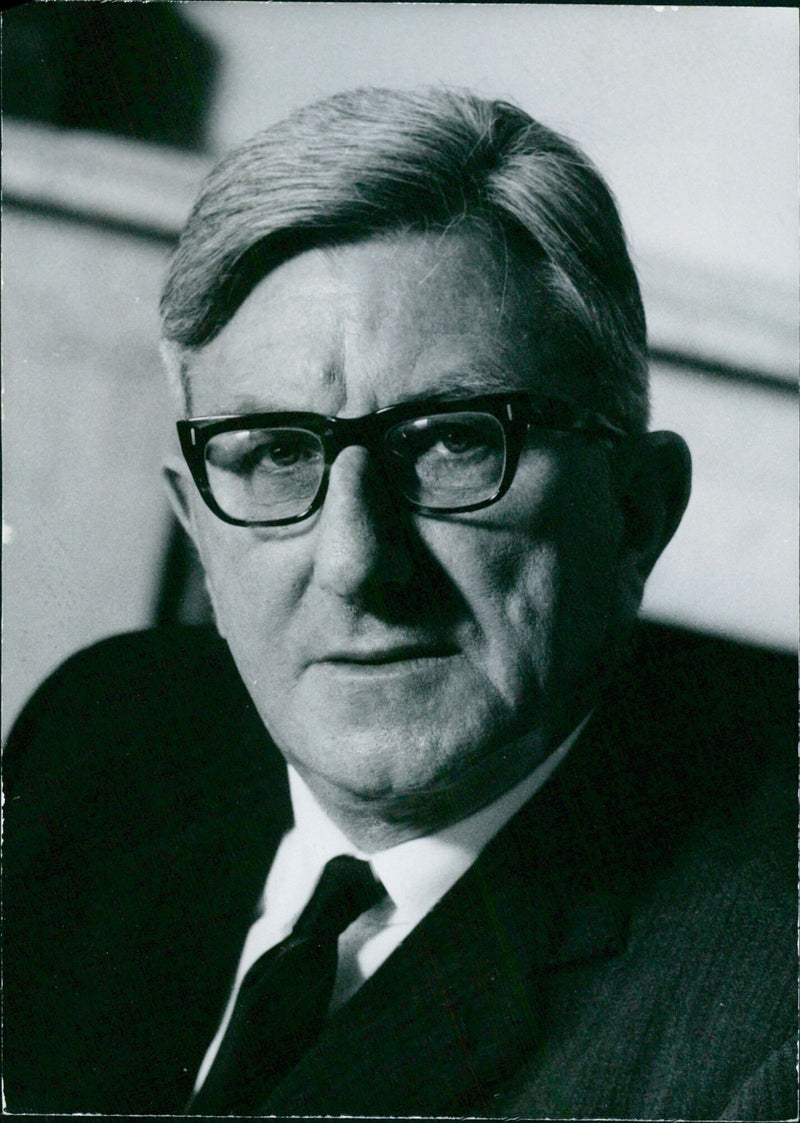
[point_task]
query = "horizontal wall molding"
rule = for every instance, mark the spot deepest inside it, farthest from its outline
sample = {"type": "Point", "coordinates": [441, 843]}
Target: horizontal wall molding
{"type": "Point", "coordinates": [701, 366]}
{"type": "Point", "coordinates": [720, 322]}
{"type": "Point", "coordinates": [139, 188]}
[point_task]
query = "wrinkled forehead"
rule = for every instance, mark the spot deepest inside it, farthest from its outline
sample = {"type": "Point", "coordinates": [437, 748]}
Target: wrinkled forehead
{"type": "Point", "coordinates": [354, 327]}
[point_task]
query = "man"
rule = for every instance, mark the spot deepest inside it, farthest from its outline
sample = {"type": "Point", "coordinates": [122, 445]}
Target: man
{"type": "Point", "coordinates": [409, 356]}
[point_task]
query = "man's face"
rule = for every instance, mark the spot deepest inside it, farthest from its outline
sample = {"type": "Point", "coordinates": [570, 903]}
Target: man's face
{"type": "Point", "coordinates": [410, 666]}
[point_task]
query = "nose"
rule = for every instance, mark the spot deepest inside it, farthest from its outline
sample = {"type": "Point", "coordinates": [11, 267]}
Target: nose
{"type": "Point", "coordinates": [361, 542]}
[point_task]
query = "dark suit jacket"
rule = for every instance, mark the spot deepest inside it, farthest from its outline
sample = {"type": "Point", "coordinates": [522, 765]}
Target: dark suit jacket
{"type": "Point", "coordinates": [625, 947]}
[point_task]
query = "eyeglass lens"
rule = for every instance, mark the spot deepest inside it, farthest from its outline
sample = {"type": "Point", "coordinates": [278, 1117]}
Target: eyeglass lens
{"type": "Point", "coordinates": [448, 460]}
{"type": "Point", "coordinates": [441, 461]}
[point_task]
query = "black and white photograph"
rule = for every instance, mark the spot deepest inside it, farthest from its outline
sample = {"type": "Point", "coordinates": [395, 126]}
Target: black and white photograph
{"type": "Point", "coordinates": [400, 560]}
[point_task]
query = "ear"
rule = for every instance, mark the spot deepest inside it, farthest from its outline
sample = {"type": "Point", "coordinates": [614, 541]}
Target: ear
{"type": "Point", "coordinates": [178, 483]}
{"type": "Point", "coordinates": [654, 481]}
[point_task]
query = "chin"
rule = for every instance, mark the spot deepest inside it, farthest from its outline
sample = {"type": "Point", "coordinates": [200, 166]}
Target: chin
{"type": "Point", "coordinates": [409, 773]}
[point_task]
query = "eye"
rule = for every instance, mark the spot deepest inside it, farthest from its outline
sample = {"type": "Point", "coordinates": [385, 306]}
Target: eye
{"type": "Point", "coordinates": [263, 450]}
{"type": "Point", "coordinates": [445, 438]}
{"type": "Point", "coordinates": [455, 439]}
{"type": "Point", "coordinates": [283, 450]}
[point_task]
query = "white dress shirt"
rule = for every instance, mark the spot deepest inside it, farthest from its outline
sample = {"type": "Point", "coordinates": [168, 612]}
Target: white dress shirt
{"type": "Point", "coordinates": [415, 875]}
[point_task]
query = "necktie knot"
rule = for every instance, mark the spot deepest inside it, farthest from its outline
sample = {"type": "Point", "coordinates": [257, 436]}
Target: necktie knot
{"type": "Point", "coordinates": [345, 890]}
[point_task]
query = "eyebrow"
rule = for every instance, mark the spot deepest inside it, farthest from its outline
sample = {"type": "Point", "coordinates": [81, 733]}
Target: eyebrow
{"type": "Point", "coordinates": [250, 404]}
{"type": "Point", "coordinates": [469, 379]}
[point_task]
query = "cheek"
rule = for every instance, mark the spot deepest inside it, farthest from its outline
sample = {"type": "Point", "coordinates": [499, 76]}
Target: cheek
{"type": "Point", "coordinates": [538, 570]}
{"type": "Point", "coordinates": [508, 579]}
{"type": "Point", "coordinates": [516, 595]}
{"type": "Point", "coordinates": [525, 582]}
{"type": "Point", "coordinates": [505, 559]}
{"type": "Point", "coordinates": [526, 577]}
{"type": "Point", "coordinates": [252, 590]}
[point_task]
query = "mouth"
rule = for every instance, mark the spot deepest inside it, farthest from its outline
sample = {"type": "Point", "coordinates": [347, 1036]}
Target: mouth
{"type": "Point", "coordinates": [385, 657]}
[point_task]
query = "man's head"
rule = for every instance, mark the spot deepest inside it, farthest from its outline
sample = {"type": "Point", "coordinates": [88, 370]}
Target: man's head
{"type": "Point", "coordinates": [422, 606]}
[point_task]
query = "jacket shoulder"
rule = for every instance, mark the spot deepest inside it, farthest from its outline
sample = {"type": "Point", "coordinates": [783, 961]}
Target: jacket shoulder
{"type": "Point", "coordinates": [122, 669]}
{"type": "Point", "coordinates": [136, 727]}
{"type": "Point", "coordinates": [144, 801]}
{"type": "Point", "coordinates": [133, 680]}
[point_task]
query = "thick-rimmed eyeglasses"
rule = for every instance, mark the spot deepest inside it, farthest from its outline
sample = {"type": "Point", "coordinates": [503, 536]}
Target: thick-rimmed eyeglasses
{"type": "Point", "coordinates": [271, 469]}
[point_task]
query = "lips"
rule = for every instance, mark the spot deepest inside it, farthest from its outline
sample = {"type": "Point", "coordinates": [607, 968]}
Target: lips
{"type": "Point", "coordinates": [384, 656]}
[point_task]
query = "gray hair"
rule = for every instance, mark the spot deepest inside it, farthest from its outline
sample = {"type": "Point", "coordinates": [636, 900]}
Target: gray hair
{"type": "Point", "coordinates": [375, 161]}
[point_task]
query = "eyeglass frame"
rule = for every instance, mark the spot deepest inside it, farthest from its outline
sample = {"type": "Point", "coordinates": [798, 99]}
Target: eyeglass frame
{"type": "Point", "coordinates": [516, 411]}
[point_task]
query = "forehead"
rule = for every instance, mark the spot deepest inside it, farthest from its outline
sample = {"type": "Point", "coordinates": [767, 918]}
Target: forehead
{"type": "Point", "coordinates": [355, 327]}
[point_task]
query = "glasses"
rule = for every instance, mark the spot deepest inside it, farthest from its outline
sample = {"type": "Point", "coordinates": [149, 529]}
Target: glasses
{"type": "Point", "coordinates": [271, 469]}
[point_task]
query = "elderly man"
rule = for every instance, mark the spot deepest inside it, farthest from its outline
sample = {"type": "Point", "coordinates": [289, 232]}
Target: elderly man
{"type": "Point", "coordinates": [432, 842]}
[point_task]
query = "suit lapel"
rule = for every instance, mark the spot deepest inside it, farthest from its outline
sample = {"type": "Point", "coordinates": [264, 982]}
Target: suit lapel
{"type": "Point", "coordinates": [455, 1010]}
{"type": "Point", "coordinates": [192, 940]}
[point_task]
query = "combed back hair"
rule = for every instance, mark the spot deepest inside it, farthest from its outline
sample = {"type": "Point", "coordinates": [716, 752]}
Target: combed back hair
{"type": "Point", "coordinates": [376, 161]}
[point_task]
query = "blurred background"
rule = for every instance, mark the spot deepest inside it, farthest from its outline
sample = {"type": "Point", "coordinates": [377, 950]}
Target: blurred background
{"type": "Point", "coordinates": [112, 113]}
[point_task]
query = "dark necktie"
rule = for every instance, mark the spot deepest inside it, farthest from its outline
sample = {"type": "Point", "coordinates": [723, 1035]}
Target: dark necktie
{"type": "Point", "coordinates": [283, 1000]}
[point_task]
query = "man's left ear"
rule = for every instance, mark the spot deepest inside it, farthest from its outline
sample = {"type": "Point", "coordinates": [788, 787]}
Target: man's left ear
{"type": "Point", "coordinates": [654, 480]}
